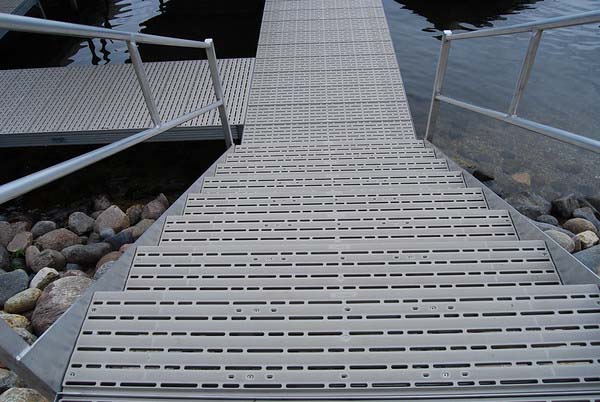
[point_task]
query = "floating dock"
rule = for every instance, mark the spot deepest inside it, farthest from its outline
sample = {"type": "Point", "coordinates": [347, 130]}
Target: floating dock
{"type": "Point", "coordinates": [333, 256]}
{"type": "Point", "coordinates": [102, 104]}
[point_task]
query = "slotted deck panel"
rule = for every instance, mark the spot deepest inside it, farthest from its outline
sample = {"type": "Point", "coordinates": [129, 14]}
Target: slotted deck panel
{"type": "Point", "coordinates": [95, 103]}
{"type": "Point", "coordinates": [333, 256]}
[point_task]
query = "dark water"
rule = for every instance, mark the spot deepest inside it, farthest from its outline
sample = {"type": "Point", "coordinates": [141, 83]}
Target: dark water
{"type": "Point", "coordinates": [564, 89]}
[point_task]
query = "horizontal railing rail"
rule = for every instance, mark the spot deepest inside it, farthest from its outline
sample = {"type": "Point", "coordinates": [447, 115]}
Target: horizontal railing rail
{"type": "Point", "coordinates": [511, 116]}
{"type": "Point", "coordinates": [25, 184]}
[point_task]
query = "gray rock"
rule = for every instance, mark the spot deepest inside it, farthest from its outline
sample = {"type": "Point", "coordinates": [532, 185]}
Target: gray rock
{"type": "Point", "coordinates": [594, 201]}
{"type": "Point", "coordinates": [106, 233]}
{"type": "Point", "coordinates": [590, 258]}
{"type": "Point", "coordinates": [138, 230]}
{"type": "Point", "coordinates": [80, 223]}
{"type": "Point", "coordinates": [26, 335]}
{"type": "Point", "coordinates": [74, 272]}
{"type": "Point", "coordinates": [20, 242]}
{"type": "Point", "coordinates": [44, 278]}
{"type": "Point", "coordinates": [48, 258]}
{"type": "Point", "coordinates": [578, 225]}
{"type": "Point", "coordinates": [15, 320]}
{"type": "Point", "coordinates": [587, 239]}
{"type": "Point", "coordinates": [587, 213]}
{"type": "Point", "coordinates": [22, 301]}
{"type": "Point", "coordinates": [12, 283]}
{"type": "Point", "coordinates": [549, 219]}
{"type": "Point", "coordinates": [86, 255]}
{"type": "Point", "coordinates": [96, 214]}
{"type": "Point", "coordinates": [155, 208]}
{"type": "Point", "coordinates": [74, 267]}
{"type": "Point", "coordinates": [57, 240]}
{"type": "Point", "coordinates": [21, 226]}
{"type": "Point", "coordinates": [113, 256]}
{"type": "Point", "coordinates": [562, 239]}
{"type": "Point", "coordinates": [4, 258]}
{"type": "Point", "coordinates": [6, 233]}
{"type": "Point", "coordinates": [565, 205]}
{"type": "Point", "coordinates": [103, 270]}
{"type": "Point", "coordinates": [94, 238]}
{"type": "Point", "coordinates": [545, 227]}
{"type": "Point", "coordinates": [30, 254]}
{"type": "Point", "coordinates": [134, 213]}
{"type": "Point", "coordinates": [101, 202]}
{"type": "Point", "coordinates": [8, 379]}
{"type": "Point", "coordinates": [22, 395]}
{"type": "Point", "coordinates": [42, 227]}
{"type": "Point", "coordinates": [112, 218]}
{"type": "Point", "coordinates": [529, 204]}
{"type": "Point", "coordinates": [123, 237]}
{"type": "Point", "coordinates": [56, 299]}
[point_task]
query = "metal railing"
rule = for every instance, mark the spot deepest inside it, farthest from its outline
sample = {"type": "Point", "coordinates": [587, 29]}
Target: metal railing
{"type": "Point", "coordinates": [511, 116]}
{"type": "Point", "coordinates": [25, 184]}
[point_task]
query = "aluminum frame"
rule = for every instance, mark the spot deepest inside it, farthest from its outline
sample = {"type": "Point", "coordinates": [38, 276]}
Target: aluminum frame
{"type": "Point", "coordinates": [25, 184]}
{"type": "Point", "coordinates": [511, 116]}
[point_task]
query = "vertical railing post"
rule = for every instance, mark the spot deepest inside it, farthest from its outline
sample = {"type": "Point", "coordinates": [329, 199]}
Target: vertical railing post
{"type": "Point", "coordinates": [438, 85]}
{"type": "Point", "coordinates": [140, 73]}
{"type": "Point", "coordinates": [534, 44]}
{"type": "Point", "coordinates": [216, 80]}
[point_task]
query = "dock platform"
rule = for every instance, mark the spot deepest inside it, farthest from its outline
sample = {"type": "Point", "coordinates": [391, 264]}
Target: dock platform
{"type": "Point", "coordinates": [333, 256]}
{"type": "Point", "coordinates": [101, 104]}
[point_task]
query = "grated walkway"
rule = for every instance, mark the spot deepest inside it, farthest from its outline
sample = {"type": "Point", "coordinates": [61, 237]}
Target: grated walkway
{"type": "Point", "coordinates": [334, 256]}
{"type": "Point", "coordinates": [100, 104]}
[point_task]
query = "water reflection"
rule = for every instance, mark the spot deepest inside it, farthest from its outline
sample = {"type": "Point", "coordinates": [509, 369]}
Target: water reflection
{"type": "Point", "coordinates": [454, 14]}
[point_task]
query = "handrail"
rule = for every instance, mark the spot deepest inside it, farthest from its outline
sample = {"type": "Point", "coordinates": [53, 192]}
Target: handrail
{"type": "Point", "coordinates": [511, 117]}
{"type": "Point", "coordinates": [25, 184]}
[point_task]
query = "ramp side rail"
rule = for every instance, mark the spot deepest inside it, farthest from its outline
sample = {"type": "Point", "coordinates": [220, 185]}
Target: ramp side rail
{"type": "Point", "coordinates": [511, 116]}
{"type": "Point", "coordinates": [25, 184]}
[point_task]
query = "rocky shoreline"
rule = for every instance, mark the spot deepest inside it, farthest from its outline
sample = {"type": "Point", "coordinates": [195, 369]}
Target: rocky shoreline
{"type": "Point", "coordinates": [45, 266]}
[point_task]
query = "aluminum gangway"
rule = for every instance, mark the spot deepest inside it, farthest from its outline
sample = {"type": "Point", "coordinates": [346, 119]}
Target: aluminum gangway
{"type": "Point", "coordinates": [333, 256]}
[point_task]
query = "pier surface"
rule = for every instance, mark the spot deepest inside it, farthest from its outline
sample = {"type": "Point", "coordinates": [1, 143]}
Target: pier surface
{"type": "Point", "coordinates": [333, 255]}
{"type": "Point", "coordinates": [100, 104]}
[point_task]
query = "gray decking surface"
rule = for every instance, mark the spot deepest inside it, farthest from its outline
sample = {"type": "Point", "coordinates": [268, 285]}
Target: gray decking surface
{"type": "Point", "coordinates": [333, 255]}
{"type": "Point", "coordinates": [97, 104]}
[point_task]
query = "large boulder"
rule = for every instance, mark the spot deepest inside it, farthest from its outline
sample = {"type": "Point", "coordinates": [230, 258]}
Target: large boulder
{"type": "Point", "coordinates": [56, 299]}
{"type": "Point", "coordinates": [549, 219]}
{"type": "Point", "coordinates": [121, 238]}
{"type": "Point", "coordinates": [529, 204]}
{"type": "Point", "coordinates": [101, 202]}
{"type": "Point", "coordinates": [134, 213]}
{"type": "Point", "coordinates": [42, 227]}
{"type": "Point", "coordinates": [12, 283]}
{"type": "Point", "coordinates": [590, 258]}
{"type": "Point", "coordinates": [544, 227]}
{"type": "Point", "coordinates": [15, 320]}
{"type": "Point", "coordinates": [48, 258]}
{"type": "Point", "coordinates": [7, 233]}
{"type": "Point", "coordinates": [565, 205]}
{"type": "Point", "coordinates": [155, 208]}
{"type": "Point", "coordinates": [587, 213]}
{"type": "Point", "coordinates": [80, 223]}
{"type": "Point", "coordinates": [22, 301]}
{"type": "Point", "coordinates": [22, 395]}
{"type": "Point", "coordinates": [8, 379]}
{"type": "Point", "coordinates": [86, 255]}
{"type": "Point", "coordinates": [30, 254]}
{"type": "Point", "coordinates": [4, 258]}
{"type": "Point", "coordinates": [564, 240]}
{"type": "Point", "coordinates": [20, 242]}
{"type": "Point", "coordinates": [103, 269]}
{"type": "Point", "coordinates": [112, 218]}
{"type": "Point", "coordinates": [138, 230]}
{"type": "Point", "coordinates": [587, 239]}
{"type": "Point", "coordinates": [578, 225]}
{"type": "Point", "coordinates": [113, 256]}
{"type": "Point", "coordinates": [57, 240]}
{"type": "Point", "coordinates": [44, 278]}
